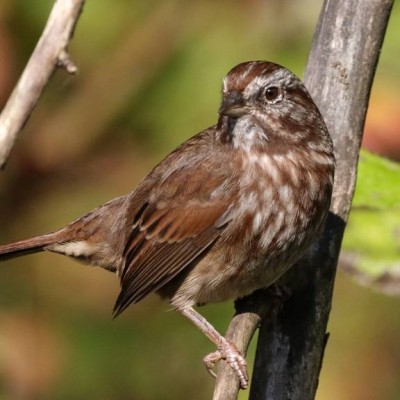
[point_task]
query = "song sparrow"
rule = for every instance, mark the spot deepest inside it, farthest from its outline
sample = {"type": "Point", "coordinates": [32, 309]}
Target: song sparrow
{"type": "Point", "coordinates": [226, 213]}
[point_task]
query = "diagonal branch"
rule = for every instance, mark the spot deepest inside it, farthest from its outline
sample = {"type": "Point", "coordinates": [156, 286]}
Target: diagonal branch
{"type": "Point", "coordinates": [249, 313]}
{"type": "Point", "coordinates": [339, 76]}
{"type": "Point", "coordinates": [50, 52]}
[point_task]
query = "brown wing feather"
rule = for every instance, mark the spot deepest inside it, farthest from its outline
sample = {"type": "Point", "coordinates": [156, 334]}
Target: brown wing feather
{"type": "Point", "coordinates": [163, 244]}
{"type": "Point", "coordinates": [177, 214]}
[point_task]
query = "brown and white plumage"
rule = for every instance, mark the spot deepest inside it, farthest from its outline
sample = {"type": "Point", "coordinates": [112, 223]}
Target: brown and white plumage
{"type": "Point", "coordinates": [225, 214]}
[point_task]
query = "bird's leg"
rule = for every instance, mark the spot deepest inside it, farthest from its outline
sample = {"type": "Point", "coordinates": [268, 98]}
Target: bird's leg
{"type": "Point", "coordinates": [226, 350]}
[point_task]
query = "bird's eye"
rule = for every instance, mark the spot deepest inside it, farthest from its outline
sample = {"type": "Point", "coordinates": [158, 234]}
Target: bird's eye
{"type": "Point", "coordinates": [272, 93]}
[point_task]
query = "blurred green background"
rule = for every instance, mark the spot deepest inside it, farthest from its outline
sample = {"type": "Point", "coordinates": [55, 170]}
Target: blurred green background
{"type": "Point", "coordinates": [149, 78]}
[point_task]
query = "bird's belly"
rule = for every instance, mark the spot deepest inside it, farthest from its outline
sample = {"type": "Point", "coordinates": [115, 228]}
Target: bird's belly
{"type": "Point", "coordinates": [253, 253]}
{"type": "Point", "coordinates": [215, 280]}
{"type": "Point", "coordinates": [228, 273]}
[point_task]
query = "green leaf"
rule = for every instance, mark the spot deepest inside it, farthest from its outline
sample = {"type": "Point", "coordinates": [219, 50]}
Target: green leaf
{"type": "Point", "coordinates": [378, 183]}
{"type": "Point", "coordinates": [372, 236]}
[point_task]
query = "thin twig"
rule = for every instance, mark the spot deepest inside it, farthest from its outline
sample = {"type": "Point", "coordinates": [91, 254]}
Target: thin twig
{"type": "Point", "coordinates": [386, 281]}
{"type": "Point", "coordinates": [50, 52]}
{"type": "Point", "coordinates": [173, 21]}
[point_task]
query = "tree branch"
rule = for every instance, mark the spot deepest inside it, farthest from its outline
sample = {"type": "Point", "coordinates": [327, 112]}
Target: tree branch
{"type": "Point", "coordinates": [387, 281]}
{"type": "Point", "coordinates": [50, 52]}
{"type": "Point", "coordinates": [339, 76]}
{"type": "Point", "coordinates": [249, 313]}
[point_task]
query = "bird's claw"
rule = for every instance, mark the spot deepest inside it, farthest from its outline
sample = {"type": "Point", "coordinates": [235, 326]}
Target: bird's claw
{"type": "Point", "coordinates": [210, 360]}
{"type": "Point", "coordinates": [231, 355]}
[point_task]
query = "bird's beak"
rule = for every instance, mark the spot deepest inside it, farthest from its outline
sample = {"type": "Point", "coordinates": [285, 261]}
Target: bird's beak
{"type": "Point", "coordinates": [233, 106]}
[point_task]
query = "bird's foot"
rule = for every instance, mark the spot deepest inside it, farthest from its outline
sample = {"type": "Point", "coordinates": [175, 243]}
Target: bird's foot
{"type": "Point", "coordinates": [228, 352]}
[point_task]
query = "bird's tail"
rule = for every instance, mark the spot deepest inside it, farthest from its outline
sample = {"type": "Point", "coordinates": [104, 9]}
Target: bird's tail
{"type": "Point", "coordinates": [27, 246]}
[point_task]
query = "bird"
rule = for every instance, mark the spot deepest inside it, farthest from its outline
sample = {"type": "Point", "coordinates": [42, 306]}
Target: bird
{"type": "Point", "coordinates": [226, 213]}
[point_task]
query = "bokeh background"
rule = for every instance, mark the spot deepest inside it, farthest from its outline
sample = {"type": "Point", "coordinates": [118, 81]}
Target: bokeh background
{"type": "Point", "coordinates": [149, 78]}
